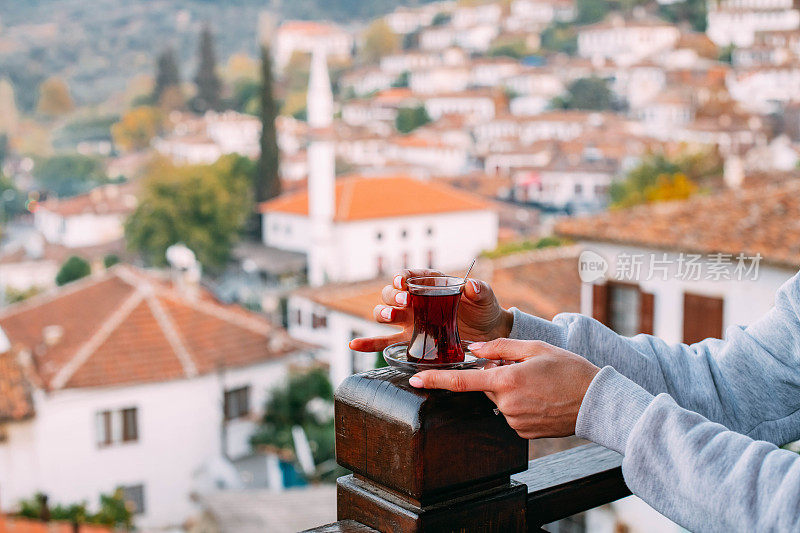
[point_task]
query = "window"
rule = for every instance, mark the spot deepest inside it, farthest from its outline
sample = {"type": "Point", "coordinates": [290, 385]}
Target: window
{"type": "Point", "coordinates": [623, 307]}
{"type": "Point", "coordinates": [702, 317]}
{"type": "Point", "coordinates": [378, 236]}
{"type": "Point", "coordinates": [133, 495]}
{"type": "Point", "coordinates": [130, 429]}
{"type": "Point", "coordinates": [298, 317]}
{"type": "Point", "coordinates": [381, 264]}
{"type": "Point", "coordinates": [405, 260]}
{"type": "Point", "coordinates": [115, 427]}
{"type": "Point", "coordinates": [403, 233]}
{"type": "Point", "coordinates": [237, 403]}
{"type": "Point", "coordinates": [429, 231]}
{"type": "Point", "coordinates": [319, 321]}
{"type": "Point", "coordinates": [578, 189]}
{"type": "Point", "coordinates": [430, 259]}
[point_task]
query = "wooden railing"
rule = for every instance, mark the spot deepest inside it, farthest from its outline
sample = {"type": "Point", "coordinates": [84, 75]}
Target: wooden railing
{"type": "Point", "coordinates": [441, 461]}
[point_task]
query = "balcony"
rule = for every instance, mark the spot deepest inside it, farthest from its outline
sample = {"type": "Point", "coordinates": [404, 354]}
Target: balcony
{"type": "Point", "coordinates": [440, 461]}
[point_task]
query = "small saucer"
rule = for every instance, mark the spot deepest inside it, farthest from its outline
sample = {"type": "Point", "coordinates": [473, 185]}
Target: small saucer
{"type": "Point", "coordinates": [396, 356]}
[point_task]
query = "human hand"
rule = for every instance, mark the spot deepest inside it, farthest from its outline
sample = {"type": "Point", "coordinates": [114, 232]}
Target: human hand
{"type": "Point", "coordinates": [480, 317]}
{"type": "Point", "coordinates": [540, 396]}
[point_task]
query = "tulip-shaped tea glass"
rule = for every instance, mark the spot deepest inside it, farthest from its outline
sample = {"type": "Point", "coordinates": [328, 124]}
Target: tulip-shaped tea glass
{"type": "Point", "coordinates": [434, 301]}
{"type": "Point", "coordinates": [435, 343]}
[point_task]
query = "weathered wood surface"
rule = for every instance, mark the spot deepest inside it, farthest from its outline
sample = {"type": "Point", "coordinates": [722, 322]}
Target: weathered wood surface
{"type": "Point", "coordinates": [570, 482]}
{"type": "Point", "coordinates": [342, 526]}
{"type": "Point", "coordinates": [425, 460]}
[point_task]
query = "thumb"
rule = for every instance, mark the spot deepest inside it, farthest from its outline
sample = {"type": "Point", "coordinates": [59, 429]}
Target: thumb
{"type": "Point", "coordinates": [508, 349]}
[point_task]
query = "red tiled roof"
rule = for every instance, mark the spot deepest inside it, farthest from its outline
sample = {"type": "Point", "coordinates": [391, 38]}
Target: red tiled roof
{"type": "Point", "coordinates": [106, 199]}
{"type": "Point", "coordinates": [763, 220]}
{"type": "Point", "coordinates": [15, 399]}
{"type": "Point", "coordinates": [10, 524]}
{"type": "Point", "coordinates": [307, 27]}
{"type": "Point", "coordinates": [360, 198]}
{"type": "Point", "coordinates": [129, 327]}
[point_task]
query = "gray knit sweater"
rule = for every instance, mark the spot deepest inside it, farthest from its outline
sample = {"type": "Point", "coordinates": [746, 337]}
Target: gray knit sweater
{"type": "Point", "coordinates": [698, 425]}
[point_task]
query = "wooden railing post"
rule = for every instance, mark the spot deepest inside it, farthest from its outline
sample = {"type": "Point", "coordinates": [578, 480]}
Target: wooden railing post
{"type": "Point", "coordinates": [426, 460]}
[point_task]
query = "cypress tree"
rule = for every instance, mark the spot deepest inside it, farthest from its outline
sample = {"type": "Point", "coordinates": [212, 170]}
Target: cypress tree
{"type": "Point", "coordinates": [208, 83]}
{"type": "Point", "coordinates": [268, 183]}
{"type": "Point", "coordinates": [167, 73]}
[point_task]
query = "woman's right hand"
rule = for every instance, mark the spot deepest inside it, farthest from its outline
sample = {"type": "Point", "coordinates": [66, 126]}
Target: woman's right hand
{"type": "Point", "coordinates": [480, 317]}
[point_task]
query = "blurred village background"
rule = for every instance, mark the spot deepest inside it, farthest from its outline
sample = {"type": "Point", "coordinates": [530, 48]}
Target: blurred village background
{"type": "Point", "coordinates": [201, 200]}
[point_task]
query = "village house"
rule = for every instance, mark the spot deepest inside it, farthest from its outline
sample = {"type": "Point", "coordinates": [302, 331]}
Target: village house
{"type": "Point", "coordinates": [492, 72]}
{"type": "Point", "coordinates": [306, 37]}
{"type": "Point", "coordinates": [205, 139]}
{"type": "Point", "coordinates": [404, 20]}
{"type": "Point", "coordinates": [539, 13]}
{"type": "Point", "coordinates": [736, 22]}
{"type": "Point", "coordinates": [441, 79]}
{"type": "Point", "coordinates": [688, 270]}
{"type": "Point", "coordinates": [130, 380]}
{"type": "Point", "coordinates": [626, 41]}
{"type": "Point", "coordinates": [366, 80]}
{"type": "Point", "coordinates": [576, 185]}
{"type": "Point", "coordinates": [764, 89]}
{"type": "Point", "coordinates": [410, 61]}
{"type": "Point", "coordinates": [477, 105]}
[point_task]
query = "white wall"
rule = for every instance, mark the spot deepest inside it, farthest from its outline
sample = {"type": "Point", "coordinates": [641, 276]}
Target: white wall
{"type": "Point", "coordinates": [86, 229]}
{"type": "Point", "coordinates": [179, 429]}
{"type": "Point", "coordinates": [744, 301]}
{"type": "Point", "coordinates": [286, 231]}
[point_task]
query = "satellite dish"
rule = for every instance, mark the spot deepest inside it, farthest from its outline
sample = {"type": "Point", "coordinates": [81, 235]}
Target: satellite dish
{"type": "Point", "coordinates": [180, 257]}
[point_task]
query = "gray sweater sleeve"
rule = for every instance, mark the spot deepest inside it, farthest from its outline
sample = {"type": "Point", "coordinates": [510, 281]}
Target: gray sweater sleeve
{"type": "Point", "coordinates": [749, 382]}
{"type": "Point", "coordinates": [696, 472]}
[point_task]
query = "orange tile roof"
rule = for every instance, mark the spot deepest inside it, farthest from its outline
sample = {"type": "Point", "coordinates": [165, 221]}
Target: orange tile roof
{"type": "Point", "coordinates": [543, 282]}
{"type": "Point", "coordinates": [15, 398]}
{"type": "Point", "coordinates": [106, 199]}
{"type": "Point", "coordinates": [763, 220]}
{"type": "Point", "coordinates": [361, 198]}
{"type": "Point", "coordinates": [128, 326]}
{"type": "Point", "coordinates": [307, 27]}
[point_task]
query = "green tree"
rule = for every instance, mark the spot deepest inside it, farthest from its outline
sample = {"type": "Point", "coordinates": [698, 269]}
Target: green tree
{"type": "Point", "coordinates": [379, 40]}
{"type": "Point", "coordinates": [202, 206]}
{"type": "Point", "coordinates": [267, 178]}
{"type": "Point", "coordinates": [514, 48]}
{"type": "Point", "coordinates": [591, 11]}
{"type": "Point", "coordinates": [586, 93]}
{"type": "Point", "coordinates": [113, 511]}
{"type": "Point", "coordinates": [110, 260]}
{"type": "Point", "coordinates": [207, 80]}
{"type": "Point", "coordinates": [69, 174]}
{"type": "Point", "coordinates": [691, 11]}
{"type": "Point", "coordinates": [137, 128]}
{"type": "Point", "coordinates": [560, 38]}
{"type": "Point", "coordinates": [410, 118]}
{"type": "Point", "coordinates": [302, 401]}
{"type": "Point", "coordinates": [73, 269]}
{"type": "Point", "coordinates": [167, 73]}
{"type": "Point", "coordinates": [440, 19]}
{"type": "Point", "coordinates": [54, 98]}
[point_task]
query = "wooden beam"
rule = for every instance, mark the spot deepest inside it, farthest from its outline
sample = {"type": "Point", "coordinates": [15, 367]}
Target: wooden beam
{"type": "Point", "coordinates": [570, 482]}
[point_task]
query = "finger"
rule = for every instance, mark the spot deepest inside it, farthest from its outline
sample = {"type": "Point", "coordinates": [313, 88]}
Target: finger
{"type": "Point", "coordinates": [478, 291]}
{"type": "Point", "coordinates": [391, 315]}
{"type": "Point", "coordinates": [376, 344]}
{"type": "Point", "coordinates": [509, 349]}
{"type": "Point", "coordinates": [394, 297]}
{"type": "Point", "coordinates": [454, 380]}
{"type": "Point", "coordinates": [405, 274]}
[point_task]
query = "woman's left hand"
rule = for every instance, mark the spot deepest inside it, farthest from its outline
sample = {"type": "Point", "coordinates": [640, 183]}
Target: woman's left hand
{"type": "Point", "coordinates": [540, 396]}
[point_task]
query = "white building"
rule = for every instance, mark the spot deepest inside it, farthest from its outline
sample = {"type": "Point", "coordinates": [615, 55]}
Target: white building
{"type": "Point", "coordinates": [89, 219]}
{"type": "Point", "coordinates": [201, 141]}
{"type": "Point", "coordinates": [527, 13]}
{"type": "Point", "coordinates": [439, 79]}
{"type": "Point", "coordinates": [737, 21]}
{"type": "Point", "coordinates": [124, 380]}
{"type": "Point", "coordinates": [475, 105]}
{"type": "Point", "coordinates": [360, 227]}
{"type": "Point", "coordinates": [626, 41]}
{"type": "Point", "coordinates": [764, 89]}
{"type": "Point", "coordinates": [306, 37]}
{"type": "Point", "coordinates": [565, 184]}
{"type": "Point", "coordinates": [661, 292]}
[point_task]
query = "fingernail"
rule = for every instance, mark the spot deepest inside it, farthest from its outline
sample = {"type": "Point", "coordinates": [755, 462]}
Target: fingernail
{"type": "Point", "coordinates": [414, 381]}
{"type": "Point", "coordinates": [398, 282]}
{"type": "Point", "coordinates": [475, 286]}
{"type": "Point", "coordinates": [475, 346]}
{"type": "Point", "coordinates": [386, 313]}
{"type": "Point", "coordinates": [401, 298]}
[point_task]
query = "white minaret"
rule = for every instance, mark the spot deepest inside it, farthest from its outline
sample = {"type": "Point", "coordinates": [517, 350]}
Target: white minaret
{"type": "Point", "coordinates": [321, 169]}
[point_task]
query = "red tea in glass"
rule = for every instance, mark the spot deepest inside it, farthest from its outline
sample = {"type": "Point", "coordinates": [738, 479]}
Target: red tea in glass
{"type": "Point", "coordinates": [434, 301]}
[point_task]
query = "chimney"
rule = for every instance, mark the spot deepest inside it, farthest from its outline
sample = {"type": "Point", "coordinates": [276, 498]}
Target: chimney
{"type": "Point", "coordinates": [733, 172]}
{"type": "Point", "coordinates": [52, 335]}
{"type": "Point", "coordinates": [186, 271]}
